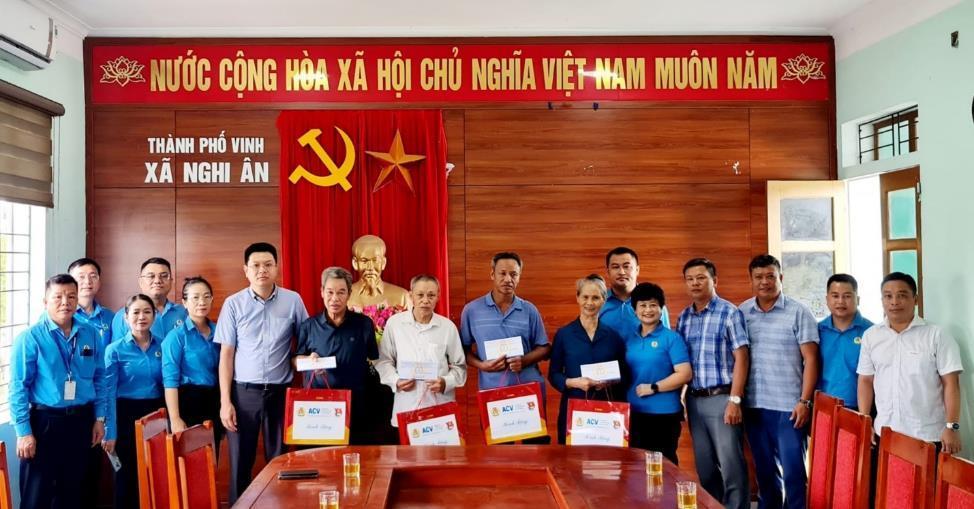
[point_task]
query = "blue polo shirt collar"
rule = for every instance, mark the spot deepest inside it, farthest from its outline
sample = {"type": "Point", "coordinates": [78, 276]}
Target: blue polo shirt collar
{"type": "Point", "coordinates": [55, 328]}
{"type": "Point", "coordinates": [611, 295]}
{"type": "Point", "coordinates": [489, 299]}
{"type": "Point", "coordinates": [656, 332]}
{"type": "Point", "coordinates": [131, 339]}
{"type": "Point", "coordinates": [95, 309]}
{"type": "Point", "coordinates": [190, 326]}
{"type": "Point", "coordinates": [857, 321]}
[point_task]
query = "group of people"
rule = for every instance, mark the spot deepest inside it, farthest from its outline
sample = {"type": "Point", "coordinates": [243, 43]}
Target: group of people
{"type": "Point", "coordinates": [82, 375]}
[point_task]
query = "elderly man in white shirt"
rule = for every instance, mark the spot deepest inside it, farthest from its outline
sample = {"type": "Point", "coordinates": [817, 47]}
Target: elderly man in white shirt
{"type": "Point", "coordinates": [912, 368]}
{"type": "Point", "coordinates": [420, 355]}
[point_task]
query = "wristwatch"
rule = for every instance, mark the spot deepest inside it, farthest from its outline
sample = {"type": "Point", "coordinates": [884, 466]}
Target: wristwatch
{"type": "Point", "coordinates": [100, 419]}
{"type": "Point", "coordinates": [734, 399]}
{"type": "Point", "coordinates": [952, 425]}
{"type": "Point", "coordinates": [806, 402]}
{"type": "Point", "coordinates": [655, 388]}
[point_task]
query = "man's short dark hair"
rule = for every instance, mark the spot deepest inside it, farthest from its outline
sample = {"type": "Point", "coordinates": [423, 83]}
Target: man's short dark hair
{"type": "Point", "coordinates": [647, 291]}
{"type": "Point", "coordinates": [59, 279]}
{"type": "Point", "coordinates": [505, 255]}
{"type": "Point", "coordinates": [81, 262]}
{"type": "Point", "coordinates": [621, 250]}
{"type": "Point", "coordinates": [900, 276]}
{"type": "Point", "coordinates": [259, 247]}
{"type": "Point", "coordinates": [701, 262]}
{"type": "Point", "coordinates": [842, 278]}
{"type": "Point", "coordinates": [763, 260]}
{"type": "Point", "coordinates": [157, 261]}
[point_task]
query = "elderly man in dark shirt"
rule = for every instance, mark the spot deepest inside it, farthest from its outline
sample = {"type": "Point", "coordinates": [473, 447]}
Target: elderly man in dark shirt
{"type": "Point", "coordinates": [349, 337]}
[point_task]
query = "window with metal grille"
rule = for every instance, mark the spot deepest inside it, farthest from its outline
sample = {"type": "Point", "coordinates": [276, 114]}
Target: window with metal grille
{"type": "Point", "coordinates": [889, 136]}
{"type": "Point", "coordinates": [21, 281]}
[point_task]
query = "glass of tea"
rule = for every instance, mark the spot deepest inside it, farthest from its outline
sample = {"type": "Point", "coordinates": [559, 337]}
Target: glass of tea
{"type": "Point", "coordinates": [686, 495]}
{"type": "Point", "coordinates": [352, 466]}
{"type": "Point", "coordinates": [654, 463]}
{"type": "Point", "coordinates": [328, 499]}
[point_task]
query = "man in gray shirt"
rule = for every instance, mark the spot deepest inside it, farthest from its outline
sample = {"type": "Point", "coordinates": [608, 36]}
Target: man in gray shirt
{"type": "Point", "coordinates": [255, 329]}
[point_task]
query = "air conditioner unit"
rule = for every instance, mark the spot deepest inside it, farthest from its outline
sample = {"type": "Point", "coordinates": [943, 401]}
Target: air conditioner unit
{"type": "Point", "coordinates": [27, 35]}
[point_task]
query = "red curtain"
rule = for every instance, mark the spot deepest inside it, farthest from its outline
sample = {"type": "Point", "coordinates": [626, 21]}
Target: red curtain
{"type": "Point", "coordinates": [319, 224]}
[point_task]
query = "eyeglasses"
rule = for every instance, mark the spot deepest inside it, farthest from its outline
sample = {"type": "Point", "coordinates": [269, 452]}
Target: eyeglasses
{"type": "Point", "coordinates": [199, 298]}
{"type": "Point", "coordinates": [165, 276]}
{"type": "Point", "coordinates": [88, 277]}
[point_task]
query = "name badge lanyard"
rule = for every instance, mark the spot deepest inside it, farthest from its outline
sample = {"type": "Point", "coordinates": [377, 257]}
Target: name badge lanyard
{"type": "Point", "coordinates": [67, 361]}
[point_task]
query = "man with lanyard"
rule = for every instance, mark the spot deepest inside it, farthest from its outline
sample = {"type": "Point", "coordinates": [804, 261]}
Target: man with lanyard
{"type": "Point", "coordinates": [57, 399]}
{"type": "Point", "coordinates": [499, 315]}
{"type": "Point", "coordinates": [155, 280]}
{"type": "Point", "coordinates": [255, 331]}
{"type": "Point", "coordinates": [622, 269]}
{"type": "Point", "coordinates": [840, 340]}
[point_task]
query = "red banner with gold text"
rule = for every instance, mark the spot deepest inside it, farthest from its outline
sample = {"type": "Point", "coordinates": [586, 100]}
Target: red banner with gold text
{"type": "Point", "coordinates": [416, 73]}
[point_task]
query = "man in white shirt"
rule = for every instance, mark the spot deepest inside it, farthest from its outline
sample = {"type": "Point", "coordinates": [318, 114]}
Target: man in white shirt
{"type": "Point", "coordinates": [912, 368]}
{"type": "Point", "coordinates": [431, 343]}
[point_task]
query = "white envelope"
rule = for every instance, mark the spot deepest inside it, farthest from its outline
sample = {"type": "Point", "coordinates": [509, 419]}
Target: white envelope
{"type": "Point", "coordinates": [507, 347]}
{"type": "Point", "coordinates": [316, 364]}
{"type": "Point", "coordinates": [602, 371]}
{"type": "Point", "coordinates": [418, 370]}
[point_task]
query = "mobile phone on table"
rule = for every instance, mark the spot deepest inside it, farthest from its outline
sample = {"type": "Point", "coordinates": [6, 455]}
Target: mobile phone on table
{"type": "Point", "coordinates": [291, 475]}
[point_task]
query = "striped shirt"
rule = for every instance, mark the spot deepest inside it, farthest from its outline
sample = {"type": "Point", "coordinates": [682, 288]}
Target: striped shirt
{"type": "Point", "coordinates": [712, 335]}
{"type": "Point", "coordinates": [775, 380]}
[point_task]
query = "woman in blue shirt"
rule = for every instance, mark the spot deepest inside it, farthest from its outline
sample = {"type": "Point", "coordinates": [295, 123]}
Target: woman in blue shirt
{"type": "Point", "coordinates": [133, 376]}
{"type": "Point", "coordinates": [660, 367]}
{"type": "Point", "coordinates": [584, 341]}
{"type": "Point", "coordinates": [190, 360]}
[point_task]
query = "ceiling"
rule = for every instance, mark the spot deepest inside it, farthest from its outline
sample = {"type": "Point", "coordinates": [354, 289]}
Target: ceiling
{"type": "Point", "coordinates": [392, 18]}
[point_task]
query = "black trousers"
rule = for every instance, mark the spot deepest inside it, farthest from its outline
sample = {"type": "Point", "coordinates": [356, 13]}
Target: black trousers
{"type": "Point", "coordinates": [260, 409]}
{"type": "Point", "coordinates": [53, 477]}
{"type": "Point", "coordinates": [198, 403]}
{"type": "Point", "coordinates": [127, 478]}
{"type": "Point", "coordinates": [97, 462]}
{"type": "Point", "coordinates": [656, 432]}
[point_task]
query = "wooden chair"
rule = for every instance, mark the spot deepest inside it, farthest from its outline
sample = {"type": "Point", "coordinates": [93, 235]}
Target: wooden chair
{"type": "Point", "coordinates": [821, 453]}
{"type": "Point", "coordinates": [156, 464]}
{"type": "Point", "coordinates": [849, 477]}
{"type": "Point", "coordinates": [955, 483]}
{"type": "Point", "coordinates": [196, 460]}
{"type": "Point", "coordinates": [5, 500]}
{"type": "Point", "coordinates": [906, 472]}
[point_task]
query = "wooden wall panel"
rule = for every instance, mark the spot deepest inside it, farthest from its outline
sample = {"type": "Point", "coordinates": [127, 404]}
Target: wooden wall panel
{"type": "Point", "coordinates": [563, 233]}
{"type": "Point", "coordinates": [791, 144]}
{"type": "Point", "coordinates": [456, 252]}
{"type": "Point", "coordinates": [453, 126]}
{"type": "Point", "coordinates": [257, 124]}
{"type": "Point", "coordinates": [130, 225]}
{"type": "Point", "coordinates": [607, 146]}
{"type": "Point", "coordinates": [210, 241]}
{"type": "Point", "coordinates": [119, 148]}
{"type": "Point", "coordinates": [759, 218]}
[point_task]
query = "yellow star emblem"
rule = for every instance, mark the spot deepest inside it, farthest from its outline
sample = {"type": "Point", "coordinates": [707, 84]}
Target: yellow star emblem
{"type": "Point", "coordinates": [396, 157]}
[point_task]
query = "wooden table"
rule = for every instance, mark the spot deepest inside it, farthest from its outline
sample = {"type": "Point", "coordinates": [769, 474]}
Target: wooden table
{"type": "Point", "coordinates": [470, 477]}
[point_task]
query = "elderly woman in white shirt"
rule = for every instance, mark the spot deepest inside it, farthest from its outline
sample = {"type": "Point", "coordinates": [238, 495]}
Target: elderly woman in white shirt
{"type": "Point", "coordinates": [420, 355]}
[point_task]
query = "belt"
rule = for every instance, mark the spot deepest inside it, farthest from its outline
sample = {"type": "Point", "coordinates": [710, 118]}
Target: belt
{"type": "Point", "coordinates": [262, 387]}
{"type": "Point", "coordinates": [710, 391]}
{"type": "Point", "coordinates": [63, 411]}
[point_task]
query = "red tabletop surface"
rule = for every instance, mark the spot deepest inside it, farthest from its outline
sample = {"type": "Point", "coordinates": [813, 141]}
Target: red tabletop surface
{"type": "Point", "coordinates": [471, 477]}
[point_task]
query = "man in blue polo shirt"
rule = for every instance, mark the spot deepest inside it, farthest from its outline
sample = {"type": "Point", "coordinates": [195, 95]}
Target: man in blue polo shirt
{"type": "Point", "coordinates": [498, 315]}
{"type": "Point", "coordinates": [778, 399]}
{"type": "Point", "coordinates": [622, 269]}
{"type": "Point", "coordinates": [840, 336]}
{"type": "Point", "coordinates": [58, 401]}
{"type": "Point", "coordinates": [87, 273]}
{"type": "Point", "coordinates": [155, 280]}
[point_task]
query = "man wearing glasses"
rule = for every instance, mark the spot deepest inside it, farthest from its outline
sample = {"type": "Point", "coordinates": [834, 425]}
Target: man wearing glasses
{"type": "Point", "coordinates": [155, 280]}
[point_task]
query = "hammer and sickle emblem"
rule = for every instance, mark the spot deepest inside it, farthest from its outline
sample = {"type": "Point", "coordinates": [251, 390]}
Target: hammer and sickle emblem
{"type": "Point", "coordinates": [337, 174]}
